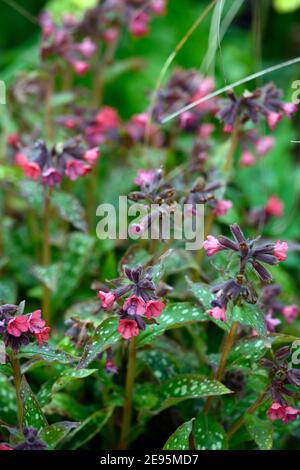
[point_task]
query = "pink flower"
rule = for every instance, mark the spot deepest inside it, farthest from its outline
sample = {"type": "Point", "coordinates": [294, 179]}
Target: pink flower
{"type": "Point", "coordinates": [107, 119]}
{"type": "Point", "coordinates": [206, 86]}
{"type": "Point", "coordinates": [218, 313]}
{"type": "Point", "coordinates": [205, 130]}
{"type": "Point", "coordinates": [154, 308]}
{"type": "Point", "coordinates": [211, 245]}
{"type": "Point", "coordinates": [145, 177]}
{"type": "Point", "coordinates": [289, 109]}
{"type": "Point", "coordinates": [86, 48]}
{"type": "Point", "coordinates": [264, 145]}
{"type": "Point", "coordinates": [187, 119]}
{"type": "Point", "coordinates": [273, 119]}
{"type": "Point", "coordinates": [247, 158]}
{"type": "Point", "coordinates": [51, 177]}
{"type": "Point", "coordinates": [134, 305]}
{"type": "Point", "coordinates": [80, 67]}
{"type": "Point", "coordinates": [13, 139]}
{"type": "Point", "coordinates": [31, 170]}
{"type": "Point", "coordinates": [222, 207]}
{"type": "Point", "coordinates": [110, 35]}
{"type": "Point", "coordinates": [43, 335]}
{"type": "Point", "coordinates": [35, 322]}
{"type": "Point", "coordinates": [5, 447]}
{"type": "Point", "coordinates": [139, 24]}
{"type": "Point", "coordinates": [17, 326]}
{"type": "Point", "coordinates": [280, 250]}
{"type": "Point", "coordinates": [282, 412]}
{"type": "Point", "coordinates": [274, 207]}
{"type": "Point", "coordinates": [271, 322]}
{"type": "Point", "coordinates": [290, 312]}
{"type": "Point", "coordinates": [228, 128]}
{"type": "Point", "coordinates": [92, 155]}
{"type": "Point", "coordinates": [158, 7]}
{"type": "Point", "coordinates": [107, 299]}
{"type": "Point", "coordinates": [128, 328]}
{"type": "Point", "coordinates": [75, 168]}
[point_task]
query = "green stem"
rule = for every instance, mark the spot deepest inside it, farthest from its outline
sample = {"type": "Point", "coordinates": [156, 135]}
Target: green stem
{"type": "Point", "coordinates": [46, 253]}
{"type": "Point", "coordinates": [236, 426]}
{"type": "Point", "coordinates": [223, 361]}
{"type": "Point", "coordinates": [127, 410]}
{"type": "Point", "coordinates": [15, 363]}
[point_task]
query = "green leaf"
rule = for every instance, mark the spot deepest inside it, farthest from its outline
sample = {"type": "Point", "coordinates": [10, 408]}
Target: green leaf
{"type": "Point", "coordinates": [46, 352]}
{"type": "Point", "coordinates": [105, 335]}
{"type": "Point", "coordinates": [174, 315]}
{"type": "Point", "coordinates": [8, 403]}
{"type": "Point", "coordinates": [54, 434]}
{"type": "Point", "coordinates": [33, 415]}
{"type": "Point", "coordinates": [209, 434]}
{"type": "Point", "coordinates": [183, 387]}
{"type": "Point", "coordinates": [285, 6]}
{"type": "Point", "coordinates": [160, 363]}
{"type": "Point", "coordinates": [261, 431]}
{"type": "Point", "coordinates": [47, 275]}
{"type": "Point", "coordinates": [180, 260]}
{"type": "Point", "coordinates": [250, 315]}
{"type": "Point", "coordinates": [179, 440]}
{"type": "Point", "coordinates": [69, 209]}
{"type": "Point", "coordinates": [33, 193]}
{"type": "Point", "coordinates": [85, 311]}
{"type": "Point", "coordinates": [247, 351]}
{"type": "Point", "coordinates": [70, 375]}
{"type": "Point", "coordinates": [63, 404]}
{"type": "Point", "coordinates": [8, 291]}
{"type": "Point", "coordinates": [88, 429]}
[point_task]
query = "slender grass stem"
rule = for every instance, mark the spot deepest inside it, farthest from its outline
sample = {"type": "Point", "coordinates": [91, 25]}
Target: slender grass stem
{"type": "Point", "coordinates": [127, 410]}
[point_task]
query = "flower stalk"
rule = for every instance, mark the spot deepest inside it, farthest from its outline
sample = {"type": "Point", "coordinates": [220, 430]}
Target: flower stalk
{"type": "Point", "coordinates": [15, 363]}
{"type": "Point", "coordinates": [127, 410]}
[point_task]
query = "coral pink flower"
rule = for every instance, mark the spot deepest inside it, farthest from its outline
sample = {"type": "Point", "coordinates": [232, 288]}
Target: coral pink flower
{"type": "Point", "coordinates": [205, 130]}
{"type": "Point", "coordinates": [80, 67]}
{"type": "Point", "coordinates": [222, 207]}
{"type": "Point", "coordinates": [75, 168]}
{"type": "Point", "coordinates": [51, 177]}
{"type": "Point", "coordinates": [43, 335]}
{"type": "Point", "coordinates": [154, 308]}
{"type": "Point", "coordinates": [273, 119]}
{"type": "Point", "coordinates": [290, 312]}
{"type": "Point", "coordinates": [247, 158]}
{"type": "Point", "coordinates": [280, 250]}
{"type": "Point", "coordinates": [31, 170]}
{"type": "Point", "coordinates": [92, 155]}
{"type": "Point", "coordinates": [264, 145]}
{"type": "Point", "coordinates": [187, 119]}
{"type": "Point", "coordinates": [144, 177]}
{"type": "Point", "coordinates": [282, 412]}
{"type": "Point", "coordinates": [5, 447]}
{"type": "Point", "coordinates": [228, 128]}
{"type": "Point", "coordinates": [35, 322]}
{"type": "Point", "coordinates": [134, 305]}
{"type": "Point", "coordinates": [139, 24]}
{"type": "Point", "coordinates": [274, 206]}
{"type": "Point", "coordinates": [158, 7]}
{"type": "Point", "coordinates": [110, 35]}
{"type": "Point", "coordinates": [289, 109]}
{"type": "Point", "coordinates": [17, 325]}
{"type": "Point", "coordinates": [128, 328]}
{"type": "Point", "coordinates": [87, 48]}
{"type": "Point", "coordinates": [107, 299]}
{"type": "Point", "coordinates": [13, 139]}
{"type": "Point", "coordinates": [218, 313]}
{"type": "Point", "coordinates": [107, 119]}
{"type": "Point", "coordinates": [211, 245]}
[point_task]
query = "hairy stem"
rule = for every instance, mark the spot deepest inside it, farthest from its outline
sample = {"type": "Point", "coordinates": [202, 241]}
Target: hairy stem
{"type": "Point", "coordinates": [236, 426]}
{"type": "Point", "coordinates": [228, 343]}
{"type": "Point", "coordinates": [15, 363]}
{"type": "Point", "coordinates": [127, 410]}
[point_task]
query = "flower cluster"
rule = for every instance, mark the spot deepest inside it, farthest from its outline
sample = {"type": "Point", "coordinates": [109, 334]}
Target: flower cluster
{"type": "Point", "coordinates": [281, 376]}
{"type": "Point", "coordinates": [263, 102]}
{"type": "Point", "coordinates": [60, 41]}
{"type": "Point", "coordinates": [184, 87]}
{"type": "Point", "coordinates": [31, 441]}
{"type": "Point", "coordinates": [251, 252]}
{"type": "Point", "coordinates": [70, 159]}
{"type": "Point", "coordinates": [254, 147]}
{"type": "Point", "coordinates": [260, 216]}
{"type": "Point", "coordinates": [205, 193]}
{"type": "Point", "coordinates": [18, 329]}
{"type": "Point", "coordinates": [141, 304]}
{"type": "Point", "coordinates": [106, 19]}
{"type": "Point", "coordinates": [271, 305]}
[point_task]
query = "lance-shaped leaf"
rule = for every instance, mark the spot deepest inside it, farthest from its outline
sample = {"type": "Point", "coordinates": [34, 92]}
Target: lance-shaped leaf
{"type": "Point", "coordinates": [174, 315]}
{"type": "Point", "coordinates": [69, 209]}
{"type": "Point", "coordinates": [8, 291]}
{"type": "Point", "coordinates": [54, 434]}
{"type": "Point", "coordinates": [250, 315]}
{"type": "Point", "coordinates": [261, 431]}
{"type": "Point", "coordinates": [183, 387]}
{"type": "Point", "coordinates": [69, 376]}
{"type": "Point", "coordinates": [8, 404]}
{"type": "Point", "coordinates": [65, 405]}
{"type": "Point", "coordinates": [209, 434]}
{"type": "Point", "coordinates": [48, 353]}
{"type": "Point", "coordinates": [105, 335]}
{"type": "Point", "coordinates": [85, 311]}
{"type": "Point", "coordinates": [160, 363]}
{"type": "Point", "coordinates": [33, 193]}
{"type": "Point", "coordinates": [47, 275]}
{"type": "Point", "coordinates": [248, 350]}
{"type": "Point", "coordinates": [32, 412]}
{"type": "Point", "coordinates": [179, 440]}
{"type": "Point", "coordinates": [88, 429]}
